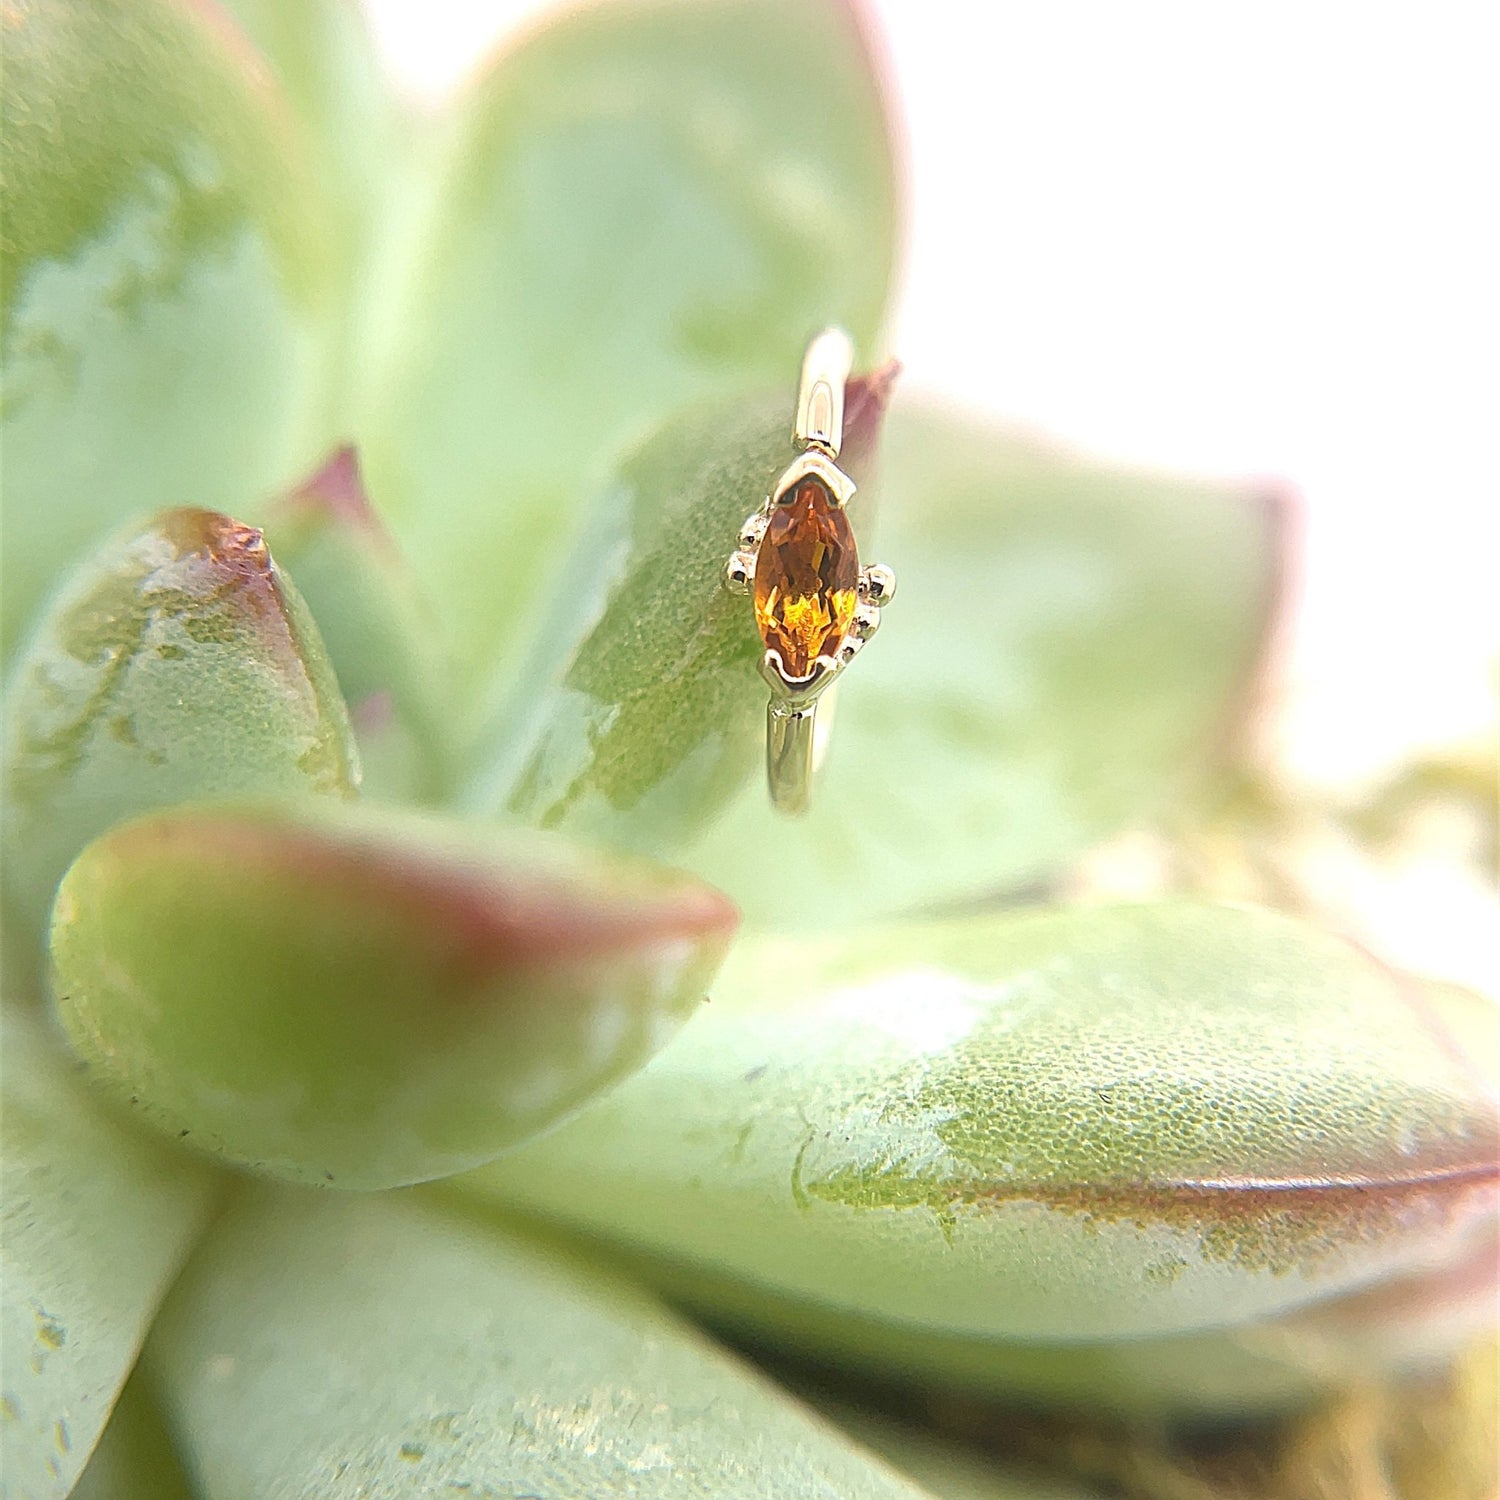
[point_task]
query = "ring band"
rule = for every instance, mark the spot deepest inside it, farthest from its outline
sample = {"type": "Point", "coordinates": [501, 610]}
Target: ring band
{"type": "Point", "coordinates": [815, 606]}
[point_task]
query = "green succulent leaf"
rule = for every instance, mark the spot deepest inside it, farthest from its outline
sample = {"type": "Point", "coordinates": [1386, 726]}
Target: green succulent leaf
{"type": "Point", "coordinates": [640, 712]}
{"type": "Point", "coordinates": [377, 629]}
{"type": "Point", "coordinates": [96, 1221]}
{"type": "Point", "coordinates": [1077, 1125]}
{"type": "Point", "coordinates": [504, 1370]}
{"type": "Point", "coordinates": [176, 662]}
{"type": "Point", "coordinates": [1063, 657]}
{"type": "Point", "coordinates": [341, 996]}
{"type": "Point", "coordinates": [945, 1469]}
{"type": "Point", "coordinates": [1396, 1330]}
{"type": "Point", "coordinates": [135, 1459]}
{"type": "Point", "coordinates": [323, 56]}
{"type": "Point", "coordinates": [639, 206]}
{"type": "Point", "coordinates": [166, 292]}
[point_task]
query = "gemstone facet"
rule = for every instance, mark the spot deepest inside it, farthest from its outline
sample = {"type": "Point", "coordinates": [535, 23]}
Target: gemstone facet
{"type": "Point", "coordinates": [806, 577]}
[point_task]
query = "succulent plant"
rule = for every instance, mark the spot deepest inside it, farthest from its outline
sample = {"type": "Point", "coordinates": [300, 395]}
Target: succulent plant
{"type": "Point", "coordinates": [367, 812]}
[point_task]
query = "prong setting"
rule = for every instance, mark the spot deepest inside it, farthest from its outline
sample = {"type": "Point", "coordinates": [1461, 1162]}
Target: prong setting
{"type": "Point", "coordinates": [754, 528]}
{"type": "Point", "coordinates": [818, 465]}
{"type": "Point", "coordinates": [877, 585]}
{"type": "Point", "coordinates": [739, 573]}
{"type": "Point", "coordinates": [797, 690]}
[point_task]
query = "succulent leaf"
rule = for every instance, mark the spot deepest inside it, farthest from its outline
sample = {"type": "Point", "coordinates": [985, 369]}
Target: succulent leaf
{"type": "Point", "coordinates": [639, 206]}
{"type": "Point", "coordinates": [166, 291]}
{"type": "Point", "coordinates": [1078, 1125]}
{"type": "Point", "coordinates": [504, 1370]}
{"type": "Point", "coordinates": [1401, 1329]}
{"type": "Point", "coordinates": [376, 627]}
{"type": "Point", "coordinates": [96, 1221]}
{"type": "Point", "coordinates": [641, 710]}
{"type": "Point", "coordinates": [340, 996]}
{"type": "Point", "coordinates": [323, 57]}
{"type": "Point", "coordinates": [945, 1469]}
{"type": "Point", "coordinates": [1063, 659]}
{"type": "Point", "coordinates": [178, 661]}
{"type": "Point", "coordinates": [135, 1459]}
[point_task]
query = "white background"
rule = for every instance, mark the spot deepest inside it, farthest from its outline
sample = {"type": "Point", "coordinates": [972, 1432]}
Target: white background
{"type": "Point", "coordinates": [1234, 239]}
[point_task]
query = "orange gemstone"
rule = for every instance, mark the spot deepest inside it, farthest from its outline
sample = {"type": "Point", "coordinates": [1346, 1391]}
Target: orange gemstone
{"type": "Point", "coordinates": [806, 577]}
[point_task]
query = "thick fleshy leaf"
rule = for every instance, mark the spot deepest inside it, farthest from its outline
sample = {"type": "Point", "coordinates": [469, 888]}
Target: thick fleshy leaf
{"type": "Point", "coordinates": [1078, 1125]}
{"type": "Point", "coordinates": [135, 1459]}
{"type": "Point", "coordinates": [945, 1469]}
{"type": "Point", "coordinates": [323, 56]}
{"type": "Point", "coordinates": [166, 290]}
{"type": "Point", "coordinates": [377, 629]}
{"type": "Point", "coordinates": [1063, 656]}
{"type": "Point", "coordinates": [340, 996]}
{"type": "Point", "coordinates": [503, 1370]}
{"type": "Point", "coordinates": [641, 205]}
{"type": "Point", "coordinates": [641, 710]}
{"type": "Point", "coordinates": [96, 1221]}
{"type": "Point", "coordinates": [177, 662]}
{"type": "Point", "coordinates": [1401, 1329]}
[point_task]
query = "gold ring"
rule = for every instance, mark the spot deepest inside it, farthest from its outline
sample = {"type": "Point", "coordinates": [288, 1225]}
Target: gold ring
{"type": "Point", "coordinates": [815, 606]}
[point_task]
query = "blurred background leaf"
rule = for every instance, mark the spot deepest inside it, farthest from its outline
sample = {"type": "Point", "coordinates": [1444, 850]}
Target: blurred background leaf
{"type": "Point", "coordinates": [135, 1459]}
{"type": "Point", "coordinates": [377, 627]}
{"type": "Point", "coordinates": [168, 296]}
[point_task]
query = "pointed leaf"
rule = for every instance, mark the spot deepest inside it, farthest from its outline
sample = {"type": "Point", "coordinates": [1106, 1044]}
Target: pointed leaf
{"type": "Point", "coordinates": [166, 289]}
{"type": "Point", "coordinates": [641, 205]}
{"type": "Point", "coordinates": [1076, 1125]}
{"type": "Point", "coordinates": [503, 1370]}
{"type": "Point", "coordinates": [377, 629]}
{"type": "Point", "coordinates": [640, 712]}
{"type": "Point", "coordinates": [178, 661]}
{"type": "Point", "coordinates": [1063, 656]}
{"type": "Point", "coordinates": [96, 1221]}
{"type": "Point", "coordinates": [342, 997]}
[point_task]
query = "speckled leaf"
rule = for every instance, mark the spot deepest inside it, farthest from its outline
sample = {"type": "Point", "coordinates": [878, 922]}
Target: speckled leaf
{"type": "Point", "coordinates": [1065, 653]}
{"type": "Point", "coordinates": [376, 627]}
{"type": "Point", "coordinates": [167, 293]}
{"type": "Point", "coordinates": [340, 996]}
{"type": "Point", "coordinates": [1076, 1125]}
{"type": "Point", "coordinates": [641, 204]}
{"type": "Point", "coordinates": [135, 1459]}
{"type": "Point", "coordinates": [96, 1221]}
{"type": "Point", "coordinates": [1399, 1329]}
{"type": "Point", "coordinates": [177, 661]}
{"type": "Point", "coordinates": [640, 711]}
{"type": "Point", "coordinates": [503, 1371]}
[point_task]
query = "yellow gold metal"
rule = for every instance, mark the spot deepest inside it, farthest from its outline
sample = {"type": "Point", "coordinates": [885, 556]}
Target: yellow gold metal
{"type": "Point", "coordinates": [877, 585]}
{"type": "Point", "coordinates": [820, 397]}
{"type": "Point", "coordinates": [796, 734]}
{"type": "Point", "coordinates": [739, 573]}
{"type": "Point", "coordinates": [816, 465]}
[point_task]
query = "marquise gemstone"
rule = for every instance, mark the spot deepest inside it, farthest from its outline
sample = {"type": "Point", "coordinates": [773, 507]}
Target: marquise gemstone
{"type": "Point", "coordinates": [806, 577]}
